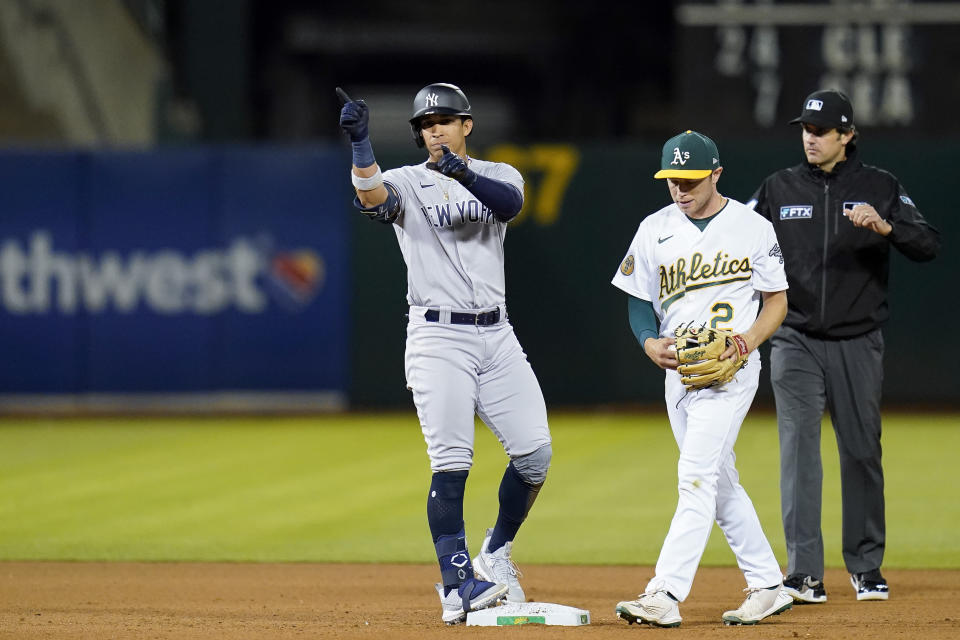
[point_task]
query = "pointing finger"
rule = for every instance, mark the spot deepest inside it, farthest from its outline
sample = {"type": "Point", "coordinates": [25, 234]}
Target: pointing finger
{"type": "Point", "coordinates": [344, 98]}
{"type": "Point", "coordinates": [445, 148]}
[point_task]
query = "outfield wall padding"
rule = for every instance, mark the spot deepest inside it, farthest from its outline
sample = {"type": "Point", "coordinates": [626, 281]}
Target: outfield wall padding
{"type": "Point", "coordinates": [200, 270]}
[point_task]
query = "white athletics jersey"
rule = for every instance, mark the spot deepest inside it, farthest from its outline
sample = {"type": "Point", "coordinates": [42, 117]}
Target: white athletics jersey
{"type": "Point", "coordinates": [451, 242]}
{"type": "Point", "coordinates": [710, 277]}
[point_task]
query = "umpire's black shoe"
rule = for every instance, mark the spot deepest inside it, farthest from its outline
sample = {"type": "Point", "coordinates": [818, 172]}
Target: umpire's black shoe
{"type": "Point", "coordinates": [805, 589]}
{"type": "Point", "coordinates": [870, 585]}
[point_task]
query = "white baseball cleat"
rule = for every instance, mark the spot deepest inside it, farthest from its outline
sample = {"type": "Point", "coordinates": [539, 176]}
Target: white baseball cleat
{"type": "Point", "coordinates": [760, 603]}
{"type": "Point", "coordinates": [655, 608]}
{"type": "Point", "coordinates": [498, 567]}
{"type": "Point", "coordinates": [480, 595]}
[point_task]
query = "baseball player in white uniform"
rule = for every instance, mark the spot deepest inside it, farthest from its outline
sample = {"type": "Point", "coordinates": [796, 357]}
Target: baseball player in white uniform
{"type": "Point", "coordinates": [450, 214]}
{"type": "Point", "coordinates": [708, 260]}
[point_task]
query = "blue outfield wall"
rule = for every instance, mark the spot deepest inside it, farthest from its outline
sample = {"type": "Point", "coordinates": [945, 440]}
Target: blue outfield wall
{"type": "Point", "coordinates": [173, 271]}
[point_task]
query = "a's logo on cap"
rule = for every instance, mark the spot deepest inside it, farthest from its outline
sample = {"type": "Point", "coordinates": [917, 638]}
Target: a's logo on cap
{"type": "Point", "coordinates": [680, 157]}
{"type": "Point", "coordinates": [814, 105]}
{"type": "Point", "coordinates": [843, 118]}
{"type": "Point", "coordinates": [432, 99]}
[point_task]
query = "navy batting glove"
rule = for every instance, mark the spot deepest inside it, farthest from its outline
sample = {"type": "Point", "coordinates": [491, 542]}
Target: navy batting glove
{"type": "Point", "coordinates": [354, 116]}
{"type": "Point", "coordinates": [453, 166]}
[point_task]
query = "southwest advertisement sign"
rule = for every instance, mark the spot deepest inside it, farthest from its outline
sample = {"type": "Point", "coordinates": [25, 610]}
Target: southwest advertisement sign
{"type": "Point", "coordinates": [183, 271]}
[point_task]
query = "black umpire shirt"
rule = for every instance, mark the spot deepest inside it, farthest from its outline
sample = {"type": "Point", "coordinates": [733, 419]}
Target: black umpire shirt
{"type": "Point", "coordinates": [838, 273]}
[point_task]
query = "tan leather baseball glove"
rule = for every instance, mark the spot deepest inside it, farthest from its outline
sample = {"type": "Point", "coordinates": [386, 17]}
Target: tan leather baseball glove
{"type": "Point", "coordinates": [698, 351]}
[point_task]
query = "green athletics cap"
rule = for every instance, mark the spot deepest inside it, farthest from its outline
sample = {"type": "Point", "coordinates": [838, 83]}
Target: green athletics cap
{"type": "Point", "coordinates": [689, 155]}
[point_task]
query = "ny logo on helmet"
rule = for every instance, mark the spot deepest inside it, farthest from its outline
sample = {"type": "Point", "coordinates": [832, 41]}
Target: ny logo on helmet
{"type": "Point", "coordinates": [432, 99]}
{"type": "Point", "coordinates": [680, 157]}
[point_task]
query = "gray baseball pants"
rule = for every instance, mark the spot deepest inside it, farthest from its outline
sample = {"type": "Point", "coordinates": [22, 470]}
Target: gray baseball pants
{"type": "Point", "coordinates": [844, 376]}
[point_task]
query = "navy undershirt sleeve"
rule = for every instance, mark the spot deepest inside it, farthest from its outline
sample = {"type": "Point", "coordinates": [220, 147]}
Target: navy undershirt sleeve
{"type": "Point", "coordinates": [500, 197]}
{"type": "Point", "coordinates": [643, 320]}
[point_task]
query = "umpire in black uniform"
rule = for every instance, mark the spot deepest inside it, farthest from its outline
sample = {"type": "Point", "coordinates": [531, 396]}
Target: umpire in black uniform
{"type": "Point", "coordinates": [836, 219]}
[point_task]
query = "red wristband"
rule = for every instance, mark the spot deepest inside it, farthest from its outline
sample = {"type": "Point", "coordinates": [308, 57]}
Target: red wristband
{"type": "Point", "coordinates": [741, 345]}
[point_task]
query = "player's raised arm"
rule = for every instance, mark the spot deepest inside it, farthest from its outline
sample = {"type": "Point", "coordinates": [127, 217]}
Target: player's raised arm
{"type": "Point", "coordinates": [500, 197]}
{"type": "Point", "coordinates": [366, 177]}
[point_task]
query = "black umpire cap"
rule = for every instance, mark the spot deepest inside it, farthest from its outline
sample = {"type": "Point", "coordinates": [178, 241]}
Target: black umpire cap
{"type": "Point", "coordinates": [828, 109]}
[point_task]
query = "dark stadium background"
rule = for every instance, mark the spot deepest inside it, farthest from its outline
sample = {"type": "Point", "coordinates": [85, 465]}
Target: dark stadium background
{"type": "Point", "coordinates": [605, 84]}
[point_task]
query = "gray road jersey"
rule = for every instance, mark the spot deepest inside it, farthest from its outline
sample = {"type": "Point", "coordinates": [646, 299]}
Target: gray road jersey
{"type": "Point", "coordinates": [452, 244]}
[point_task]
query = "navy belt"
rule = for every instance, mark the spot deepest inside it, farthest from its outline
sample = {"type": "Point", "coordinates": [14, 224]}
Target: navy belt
{"type": "Point", "coordinates": [479, 319]}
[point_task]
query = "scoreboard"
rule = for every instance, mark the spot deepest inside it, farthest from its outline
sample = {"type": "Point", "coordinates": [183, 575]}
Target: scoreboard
{"type": "Point", "coordinates": [747, 65]}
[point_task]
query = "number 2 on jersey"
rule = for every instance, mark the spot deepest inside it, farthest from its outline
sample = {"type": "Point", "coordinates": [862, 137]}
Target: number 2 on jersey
{"type": "Point", "coordinates": [723, 312]}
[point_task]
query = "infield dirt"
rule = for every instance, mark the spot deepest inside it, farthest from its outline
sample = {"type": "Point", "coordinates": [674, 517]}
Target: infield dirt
{"type": "Point", "coordinates": [56, 600]}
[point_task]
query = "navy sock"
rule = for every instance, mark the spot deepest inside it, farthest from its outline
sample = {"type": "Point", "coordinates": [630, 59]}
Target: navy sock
{"type": "Point", "coordinates": [516, 498]}
{"type": "Point", "coordinates": [445, 503]}
{"type": "Point", "coordinates": [445, 517]}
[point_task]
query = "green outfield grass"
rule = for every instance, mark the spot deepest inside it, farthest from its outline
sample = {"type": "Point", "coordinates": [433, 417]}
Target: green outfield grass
{"type": "Point", "coordinates": [352, 488]}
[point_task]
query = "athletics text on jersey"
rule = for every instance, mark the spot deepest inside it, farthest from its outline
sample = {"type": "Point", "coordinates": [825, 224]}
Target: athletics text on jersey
{"type": "Point", "coordinates": [712, 277]}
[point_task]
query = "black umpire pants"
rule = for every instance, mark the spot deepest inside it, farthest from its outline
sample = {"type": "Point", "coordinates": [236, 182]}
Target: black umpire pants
{"type": "Point", "coordinates": [845, 376]}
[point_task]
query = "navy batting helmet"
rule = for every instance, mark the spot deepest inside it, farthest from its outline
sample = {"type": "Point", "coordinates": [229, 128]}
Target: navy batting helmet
{"type": "Point", "coordinates": [439, 97]}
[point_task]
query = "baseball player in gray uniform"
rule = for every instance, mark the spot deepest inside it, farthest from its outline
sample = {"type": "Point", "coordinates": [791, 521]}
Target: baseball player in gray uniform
{"type": "Point", "coordinates": [450, 214]}
{"type": "Point", "coordinates": [708, 261]}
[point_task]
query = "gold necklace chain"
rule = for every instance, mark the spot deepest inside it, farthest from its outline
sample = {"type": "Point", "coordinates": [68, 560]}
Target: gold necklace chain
{"type": "Point", "coordinates": [446, 191]}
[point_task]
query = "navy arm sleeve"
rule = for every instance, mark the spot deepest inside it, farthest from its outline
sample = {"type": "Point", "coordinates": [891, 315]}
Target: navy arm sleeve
{"type": "Point", "coordinates": [643, 320]}
{"type": "Point", "coordinates": [500, 197]}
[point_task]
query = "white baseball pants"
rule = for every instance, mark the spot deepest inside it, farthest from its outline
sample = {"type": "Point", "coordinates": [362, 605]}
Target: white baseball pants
{"type": "Point", "coordinates": [705, 425]}
{"type": "Point", "coordinates": [458, 371]}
